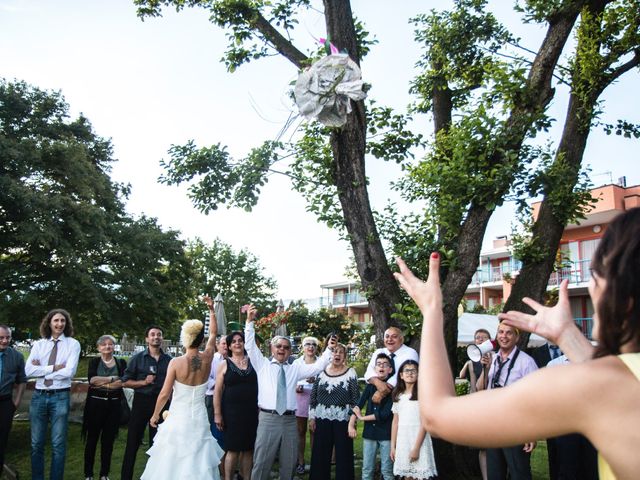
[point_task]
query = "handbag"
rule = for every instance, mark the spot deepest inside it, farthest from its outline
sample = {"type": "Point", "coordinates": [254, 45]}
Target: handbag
{"type": "Point", "coordinates": [125, 410]}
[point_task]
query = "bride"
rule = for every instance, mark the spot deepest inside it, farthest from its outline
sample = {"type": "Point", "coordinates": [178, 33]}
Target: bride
{"type": "Point", "coordinates": [184, 447]}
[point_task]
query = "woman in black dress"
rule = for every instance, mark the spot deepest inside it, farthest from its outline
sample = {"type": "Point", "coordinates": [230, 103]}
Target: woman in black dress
{"type": "Point", "coordinates": [102, 409]}
{"type": "Point", "coordinates": [236, 406]}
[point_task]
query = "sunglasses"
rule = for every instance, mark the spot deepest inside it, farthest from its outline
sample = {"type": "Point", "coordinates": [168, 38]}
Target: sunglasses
{"type": "Point", "coordinates": [285, 347]}
{"type": "Point", "coordinates": [410, 371]}
{"type": "Point", "coordinates": [310, 345]}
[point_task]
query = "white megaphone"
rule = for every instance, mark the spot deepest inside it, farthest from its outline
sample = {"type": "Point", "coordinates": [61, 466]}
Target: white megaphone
{"type": "Point", "coordinates": [475, 352]}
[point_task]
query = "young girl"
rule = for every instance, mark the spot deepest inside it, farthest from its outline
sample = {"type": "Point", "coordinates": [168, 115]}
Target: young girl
{"type": "Point", "coordinates": [411, 449]}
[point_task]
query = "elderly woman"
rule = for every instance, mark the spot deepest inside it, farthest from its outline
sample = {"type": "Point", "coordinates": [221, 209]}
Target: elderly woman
{"type": "Point", "coordinates": [102, 408]}
{"type": "Point", "coordinates": [235, 400]}
{"type": "Point", "coordinates": [303, 393]}
{"type": "Point", "coordinates": [333, 395]}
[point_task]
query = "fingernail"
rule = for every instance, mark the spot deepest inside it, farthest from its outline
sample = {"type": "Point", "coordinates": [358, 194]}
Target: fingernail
{"type": "Point", "coordinates": [435, 255]}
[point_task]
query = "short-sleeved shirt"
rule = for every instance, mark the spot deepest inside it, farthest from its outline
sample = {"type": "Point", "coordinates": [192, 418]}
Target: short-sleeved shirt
{"type": "Point", "coordinates": [140, 366]}
{"type": "Point", "coordinates": [12, 371]}
{"type": "Point", "coordinates": [400, 356]}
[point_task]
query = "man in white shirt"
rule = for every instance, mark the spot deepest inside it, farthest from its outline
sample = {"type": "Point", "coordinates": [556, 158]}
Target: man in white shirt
{"type": "Point", "coordinates": [399, 353]}
{"type": "Point", "coordinates": [53, 362]}
{"type": "Point", "coordinates": [277, 379]}
{"type": "Point", "coordinates": [509, 365]}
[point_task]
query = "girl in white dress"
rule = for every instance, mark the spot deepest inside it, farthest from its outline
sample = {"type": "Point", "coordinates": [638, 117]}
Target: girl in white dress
{"type": "Point", "coordinates": [411, 448]}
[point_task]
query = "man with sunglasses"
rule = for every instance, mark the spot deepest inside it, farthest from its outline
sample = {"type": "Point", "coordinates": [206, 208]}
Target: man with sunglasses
{"type": "Point", "coordinates": [509, 365]}
{"type": "Point", "coordinates": [277, 380]}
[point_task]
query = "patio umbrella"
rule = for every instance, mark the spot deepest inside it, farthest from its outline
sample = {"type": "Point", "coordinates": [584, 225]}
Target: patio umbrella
{"type": "Point", "coordinates": [282, 329]}
{"type": "Point", "coordinates": [218, 308]}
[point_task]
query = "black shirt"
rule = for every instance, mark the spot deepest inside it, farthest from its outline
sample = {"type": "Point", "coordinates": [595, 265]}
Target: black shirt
{"type": "Point", "coordinates": [380, 429]}
{"type": "Point", "coordinates": [12, 371]}
{"type": "Point", "coordinates": [140, 366]}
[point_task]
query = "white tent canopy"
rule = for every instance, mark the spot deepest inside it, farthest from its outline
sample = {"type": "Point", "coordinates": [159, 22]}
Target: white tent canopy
{"type": "Point", "coordinates": [468, 323]}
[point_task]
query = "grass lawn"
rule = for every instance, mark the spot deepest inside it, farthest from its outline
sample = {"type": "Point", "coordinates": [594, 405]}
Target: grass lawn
{"type": "Point", "coordinates": [18, 455]}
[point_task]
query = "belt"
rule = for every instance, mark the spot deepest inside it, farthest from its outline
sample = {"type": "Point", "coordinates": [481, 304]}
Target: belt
{"type": "Point", "coordinates": [273, 412]}
{"type": "Point", "coordinates": [51, 391]}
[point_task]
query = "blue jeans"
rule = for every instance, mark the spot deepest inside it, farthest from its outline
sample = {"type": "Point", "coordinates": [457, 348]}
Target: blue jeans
{"type": "Point", "coordinates": [369, 450]}
{"type": "Point", "coordinates": [47, 408]}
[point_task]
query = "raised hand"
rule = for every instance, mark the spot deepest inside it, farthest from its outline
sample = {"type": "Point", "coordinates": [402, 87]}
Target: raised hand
{"type": "Point", "coordinates": [548, 322]}
{"type": "Point", "coordinates": [208, 300]}
{"type": "Point", "coordinates": [427, 295]}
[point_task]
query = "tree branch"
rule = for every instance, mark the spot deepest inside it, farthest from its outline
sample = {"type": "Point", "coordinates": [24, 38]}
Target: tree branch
{"type": "Point", "coordinates": [279, 42]}
{"type": "Point", "coordinates": [624, 68]}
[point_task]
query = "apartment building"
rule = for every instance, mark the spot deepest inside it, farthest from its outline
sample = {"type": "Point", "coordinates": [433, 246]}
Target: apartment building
{"type": "Point", "coordinates": [492, 282]}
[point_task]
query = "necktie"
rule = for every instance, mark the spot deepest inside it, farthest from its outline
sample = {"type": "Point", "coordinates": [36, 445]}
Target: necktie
{"type": "Point", "coordinates": [281, 395]}
{"type": "Point", "coordinates": [52, 360]}
{"type": "Point", "coordinates": [393, 364]}
{"type": "Point", "coordinates": [1, 362]}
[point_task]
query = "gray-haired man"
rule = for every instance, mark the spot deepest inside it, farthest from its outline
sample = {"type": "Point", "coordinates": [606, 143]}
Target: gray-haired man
{"type": "Point", "coordinates": [277, 429]}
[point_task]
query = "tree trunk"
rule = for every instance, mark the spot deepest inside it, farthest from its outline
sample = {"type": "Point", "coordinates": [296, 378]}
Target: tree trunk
{"type": "Point", "coordinates": [348, 146]}
{"type": "Point", "coordinates": [548, 228]}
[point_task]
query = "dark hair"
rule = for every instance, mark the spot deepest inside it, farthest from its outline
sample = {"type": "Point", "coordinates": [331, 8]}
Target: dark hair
{"type": "Point", "coordinates": [198, 340]}
{"type": "Point", "coordinates": [45, 325]}
{"type": "Point", "coordinates": [385, 357]}
{"type": "Point", "coordinates": [401, 386]}
{"type": "Point", "coordinates": [482, 330]}
{"type": "Point", "coordinates": [152, 327]}
{"type": "Point", "coordinates": [617, 261]}
{"type": "Point", "coordinates": [234, 334]}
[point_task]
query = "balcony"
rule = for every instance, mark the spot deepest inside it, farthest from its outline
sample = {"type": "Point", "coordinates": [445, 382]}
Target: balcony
{"type": "Point", "coordinates": [344, 300]}
{"type": "Point", "coordinates": [576, 272]}
{"type": "Point", "coordinates": [585, 325]}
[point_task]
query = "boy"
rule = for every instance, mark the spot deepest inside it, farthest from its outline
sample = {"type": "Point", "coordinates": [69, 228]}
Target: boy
{"type": "Point", "coordinates": [377, 427]}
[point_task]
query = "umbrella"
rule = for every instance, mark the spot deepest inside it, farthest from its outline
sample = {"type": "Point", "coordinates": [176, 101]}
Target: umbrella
{"type": "Point", "coordinates": [218, 308]}
{"type": "Point", "coordinates": [282, 329]}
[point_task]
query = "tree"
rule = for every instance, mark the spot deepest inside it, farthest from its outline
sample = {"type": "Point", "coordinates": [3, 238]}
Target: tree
{"type": "Point", "coordinates": [254, 32]}
{"type": "Point", "coordinates": [489, 99]}
{"type": "Point", "coordinates": [65, 239]}
{"type": "Point", "coordinates": [238, 276]}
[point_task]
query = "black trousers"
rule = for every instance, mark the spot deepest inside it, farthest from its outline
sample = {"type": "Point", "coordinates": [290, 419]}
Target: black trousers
{"type": "Point", "coordinates": [513, 459]}
{"type": "Point", "coordinates": [329, 434]}
{"type": "Point", "coordinates": [575, 458]}
{"type": "Point", "coordinates": [7, 409]}
{"type": "Point", "coordinates": [141, 411]}
{"type": "Point", "coordinates": [102, 418]}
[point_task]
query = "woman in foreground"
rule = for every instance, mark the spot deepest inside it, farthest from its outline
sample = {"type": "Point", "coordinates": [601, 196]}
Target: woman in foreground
{"type": "Point", "coordinates": [596, 395]}
{"type": "Point", "coordinates": [184, 447]}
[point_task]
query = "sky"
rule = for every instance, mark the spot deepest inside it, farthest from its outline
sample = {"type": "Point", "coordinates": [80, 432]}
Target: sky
{"type": "Point", "coordinates": [148, 85]}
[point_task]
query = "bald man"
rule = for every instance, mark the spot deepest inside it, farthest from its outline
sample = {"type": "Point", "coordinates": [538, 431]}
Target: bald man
{"type": "Point", "coordinates": [395, 348]}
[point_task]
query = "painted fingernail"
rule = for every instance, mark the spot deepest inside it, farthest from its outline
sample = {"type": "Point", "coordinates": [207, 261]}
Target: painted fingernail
{"type": "Point", "coordinates": [435, 255]}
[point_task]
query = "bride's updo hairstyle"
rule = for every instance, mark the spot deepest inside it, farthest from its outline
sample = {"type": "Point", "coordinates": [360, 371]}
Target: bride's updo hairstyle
{"type": "Point", "coordinates": [192, 334]}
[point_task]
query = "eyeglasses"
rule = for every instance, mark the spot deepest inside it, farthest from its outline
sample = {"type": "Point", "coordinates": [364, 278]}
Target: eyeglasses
{"type": "Point", "coordinates": [383, 364]}
{"type": "Point", "coordinates": [310, 345]}
{"type": "Point", "coordinates": [410, 371]}
{"type": "Point", "coordinates": [285, 347]}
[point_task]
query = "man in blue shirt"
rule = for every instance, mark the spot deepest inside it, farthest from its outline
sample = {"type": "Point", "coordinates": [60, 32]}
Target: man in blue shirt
{"type": "Point", "coordinates": [12, 384]}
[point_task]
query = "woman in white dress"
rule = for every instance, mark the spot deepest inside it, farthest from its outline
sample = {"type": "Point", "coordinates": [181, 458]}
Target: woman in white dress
{"type": "Point", "coordinates": [184, 447]}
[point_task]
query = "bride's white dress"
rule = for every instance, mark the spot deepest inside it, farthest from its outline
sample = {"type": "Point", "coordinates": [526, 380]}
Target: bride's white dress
{"type": "Point", "coordinates": [184, 448]}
